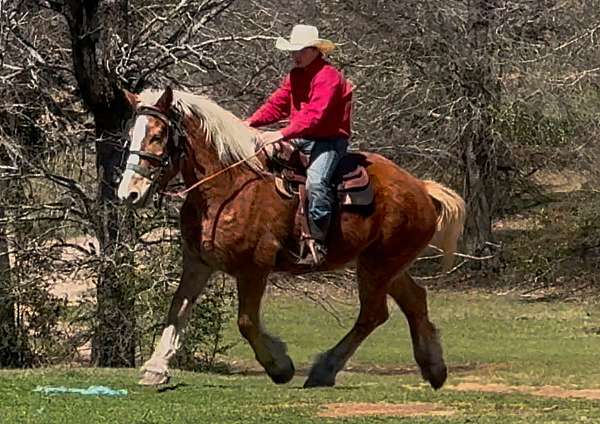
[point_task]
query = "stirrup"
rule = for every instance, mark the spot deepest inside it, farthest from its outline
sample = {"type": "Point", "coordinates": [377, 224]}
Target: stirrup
{"type": "Point", "coordinates": [316, 253]}
{"type": "Point", "coordinates": [312, 248]}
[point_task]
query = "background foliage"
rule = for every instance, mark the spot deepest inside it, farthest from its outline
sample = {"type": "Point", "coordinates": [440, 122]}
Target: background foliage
{"type": "Point", "coordinates": [516, 80]}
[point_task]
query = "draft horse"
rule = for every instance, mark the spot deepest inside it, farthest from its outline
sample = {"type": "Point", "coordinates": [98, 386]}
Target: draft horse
{"type": "Point", "coordinates": [234, 220]}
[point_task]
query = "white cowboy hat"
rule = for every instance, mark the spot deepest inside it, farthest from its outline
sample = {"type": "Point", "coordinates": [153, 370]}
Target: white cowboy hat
{"type": "Point", "coordinates": [304, 36]}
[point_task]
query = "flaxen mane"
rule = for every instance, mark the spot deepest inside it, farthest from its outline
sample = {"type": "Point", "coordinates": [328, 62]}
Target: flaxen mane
{"type": "Point", "coordinates": [232, 139]}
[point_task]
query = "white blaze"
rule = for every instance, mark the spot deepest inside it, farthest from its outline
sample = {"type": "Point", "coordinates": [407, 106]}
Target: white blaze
{"type": "Point", "coordinates": [139, 132]}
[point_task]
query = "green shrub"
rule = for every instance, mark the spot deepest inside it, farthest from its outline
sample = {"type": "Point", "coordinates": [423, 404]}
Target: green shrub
{"type": "Point", "coordinates": [202, 339]}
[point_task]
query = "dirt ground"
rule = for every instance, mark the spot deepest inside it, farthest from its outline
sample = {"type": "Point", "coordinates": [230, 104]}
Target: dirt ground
{"type": "Point", "coordinates": [340, 410]}
{"type": "Point", "coordinates": [542, 391]}
{"type": "Point", "coordinates": [415, 409]}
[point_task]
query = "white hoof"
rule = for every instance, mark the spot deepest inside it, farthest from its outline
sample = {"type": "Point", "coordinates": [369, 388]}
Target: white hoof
{"type": "Point", "coordinates": [154, 378]}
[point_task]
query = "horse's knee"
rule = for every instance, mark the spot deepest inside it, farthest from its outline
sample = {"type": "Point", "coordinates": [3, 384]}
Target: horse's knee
{"type": "Point", "coordinates": [381, 317]}
{"type": "Point", "coordinates": [370, 322]}
{"type": "Point", "coordinates": [419, 295]}
{"type": "Point", "coordinates": [408, 294]}
{"type": "Point", "coordinates": [246, 327]}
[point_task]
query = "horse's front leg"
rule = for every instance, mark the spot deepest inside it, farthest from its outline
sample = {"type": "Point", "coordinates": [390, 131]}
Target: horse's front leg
{"type": "Point", "coordinates": [269, 351]}
{"type": "Point", "coordinates": [193, 280]}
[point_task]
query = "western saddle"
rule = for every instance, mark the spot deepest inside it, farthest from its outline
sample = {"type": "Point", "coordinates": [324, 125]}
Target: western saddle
{"type": "Point", "coordinates": [350, 179]}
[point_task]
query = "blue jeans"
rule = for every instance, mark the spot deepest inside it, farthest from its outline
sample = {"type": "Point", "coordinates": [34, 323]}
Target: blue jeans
{"type": "Point", "coordinates": [325, 154]}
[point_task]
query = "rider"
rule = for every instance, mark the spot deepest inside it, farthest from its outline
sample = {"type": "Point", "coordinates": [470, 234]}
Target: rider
{"type": "Point", "coordinates": [317, 99]}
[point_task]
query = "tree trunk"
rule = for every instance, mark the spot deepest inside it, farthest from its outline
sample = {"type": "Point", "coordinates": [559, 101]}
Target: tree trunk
{"type": "Point", "coordinates": [91, 24]}
{"type": "Point", "coordinates": [9, 354]}
{"type": "Point", "coordinates": [479, 148]}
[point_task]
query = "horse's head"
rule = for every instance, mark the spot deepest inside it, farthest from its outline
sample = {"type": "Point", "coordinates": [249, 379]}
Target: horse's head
{"type": "Point", "coordinates": [154, 150]}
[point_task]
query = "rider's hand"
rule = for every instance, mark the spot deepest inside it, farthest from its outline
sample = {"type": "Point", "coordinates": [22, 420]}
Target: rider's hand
{"type": "Point", "coordinates": [269, 137]}
{"type": "Point", "coordinates": [246, 122]}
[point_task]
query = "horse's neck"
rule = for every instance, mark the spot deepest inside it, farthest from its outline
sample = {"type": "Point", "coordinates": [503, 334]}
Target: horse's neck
{"type": "Point", "coordinates": [202, 166]}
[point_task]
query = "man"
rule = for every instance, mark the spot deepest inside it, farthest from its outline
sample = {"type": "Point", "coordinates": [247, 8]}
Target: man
{"type": "Point", "coordinates": [317, 99]}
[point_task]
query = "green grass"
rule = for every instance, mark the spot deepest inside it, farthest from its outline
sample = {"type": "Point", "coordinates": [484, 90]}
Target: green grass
{"type": "Point", "coordinates": [502, 339]}
{"type": "Point", "coordinates": [541, 338]}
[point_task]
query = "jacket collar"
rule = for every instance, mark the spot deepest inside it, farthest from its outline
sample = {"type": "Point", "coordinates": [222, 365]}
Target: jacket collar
{"type": "Point", "coordinates": [313, 67]}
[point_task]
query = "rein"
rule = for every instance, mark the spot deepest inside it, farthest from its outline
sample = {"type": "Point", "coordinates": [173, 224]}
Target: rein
{"type": "Point", "coordinates": [182, 193]}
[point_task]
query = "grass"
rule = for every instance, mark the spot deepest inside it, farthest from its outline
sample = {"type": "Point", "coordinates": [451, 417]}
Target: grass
{"type": "Point", "coordinates": [476, 329]}
{"type": "Point", "coordinates": [497, 339]}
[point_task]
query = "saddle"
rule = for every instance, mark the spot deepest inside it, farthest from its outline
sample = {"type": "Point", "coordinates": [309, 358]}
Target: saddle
{"type": "Point", "coordinates": [350, 180]}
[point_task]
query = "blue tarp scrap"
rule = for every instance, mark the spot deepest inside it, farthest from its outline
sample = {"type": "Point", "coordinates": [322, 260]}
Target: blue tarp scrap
{"type": "Point", "coordinates": [90, 391]}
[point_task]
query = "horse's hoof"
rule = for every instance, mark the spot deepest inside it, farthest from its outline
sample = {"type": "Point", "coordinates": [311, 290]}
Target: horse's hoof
{"type": "Point", "coordinates": [152, 378]}
{"type": "Point", "coordinates": [314, 382]}
{"type": "Point", "coordinates": [323, 372]}
{"type": "Point", "coordinates": [435, 375]}
{"type": "Point", "coordinates": [320, 378]}
{"type": "Point", "coordinates": [282, 375]}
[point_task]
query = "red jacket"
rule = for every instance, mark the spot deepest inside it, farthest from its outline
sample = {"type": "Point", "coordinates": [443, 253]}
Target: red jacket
{"type": "Point", "coordinates": [317, 99]}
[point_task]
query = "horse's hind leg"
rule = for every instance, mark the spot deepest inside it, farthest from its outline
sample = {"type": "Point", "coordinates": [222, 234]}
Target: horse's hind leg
{"type": "Point", "coordinates": [269, 351]}
{"type": "Point", "coordinates": [372, 290]}
{"type": "Point", "coordinates": [427, 349]}
{"type": "Point", "coordinates": [193, 280]}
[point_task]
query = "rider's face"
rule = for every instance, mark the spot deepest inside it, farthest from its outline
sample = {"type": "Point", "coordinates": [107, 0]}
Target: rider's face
{"type": "Point", "coordinates": [304, 57]}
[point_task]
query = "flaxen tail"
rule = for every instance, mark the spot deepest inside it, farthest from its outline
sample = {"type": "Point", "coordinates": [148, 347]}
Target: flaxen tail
{"type": "Point", "coordinates": [451, 220]}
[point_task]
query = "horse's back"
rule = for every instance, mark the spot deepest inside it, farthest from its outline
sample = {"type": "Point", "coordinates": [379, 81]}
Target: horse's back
{"type": "Point", "coordinates": [384, 172]}
{"type": "Point", "coordinates": [403, 209]}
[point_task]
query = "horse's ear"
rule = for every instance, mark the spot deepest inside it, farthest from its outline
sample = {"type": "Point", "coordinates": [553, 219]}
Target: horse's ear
{"type": "Point", "coordinates": [131, 98]}
{"type": "Point", "coordinates": [164, 103]}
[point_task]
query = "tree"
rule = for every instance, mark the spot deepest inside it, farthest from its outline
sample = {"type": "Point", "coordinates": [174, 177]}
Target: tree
{"type": "Point", "coordinates": [9, 350]}
{"type": "Point", "coordinates": [107, 57]}
{"type": "Point", "coordinates": [9, 355]}
{"type": "Point", "coordinates": [479, 80]}
{"type": "Point", "coordinates": [90, 24]}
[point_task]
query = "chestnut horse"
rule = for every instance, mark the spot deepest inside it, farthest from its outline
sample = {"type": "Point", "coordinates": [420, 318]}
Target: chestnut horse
{"type": "Point", "coordinates": [234, 220]}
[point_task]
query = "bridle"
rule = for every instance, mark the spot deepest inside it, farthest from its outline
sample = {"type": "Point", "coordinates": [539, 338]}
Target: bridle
{"type": "Point", "coordinates": [163, 161]}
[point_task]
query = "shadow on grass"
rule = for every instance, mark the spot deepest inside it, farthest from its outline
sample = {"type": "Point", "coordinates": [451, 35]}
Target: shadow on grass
{"type": "Point", "coordinates": [365, 369]}
{"type": "Point", "coordinates": [171, 387]}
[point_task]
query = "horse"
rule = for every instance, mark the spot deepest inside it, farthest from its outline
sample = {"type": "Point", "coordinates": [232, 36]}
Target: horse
{"type": "Point", "coordinates": [234, 220]}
